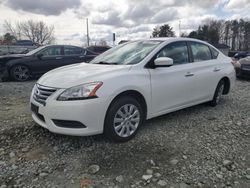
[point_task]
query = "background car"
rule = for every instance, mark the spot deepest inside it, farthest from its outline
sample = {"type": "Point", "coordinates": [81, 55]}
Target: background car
{"type": "Point", "coordinates": [24, 43]}
{"type": "Point", "coordinates": [242, 67]}
{"type": "Point", "coordinates": [21, 67]}
{"type": "Point", "coordinates": [98, 49]}
{"type": "Point", "coordinates": [241, 55]}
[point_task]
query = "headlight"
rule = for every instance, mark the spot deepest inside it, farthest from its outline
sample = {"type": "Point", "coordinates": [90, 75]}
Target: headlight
{"type": "Point", "coordinates": [80, 92]}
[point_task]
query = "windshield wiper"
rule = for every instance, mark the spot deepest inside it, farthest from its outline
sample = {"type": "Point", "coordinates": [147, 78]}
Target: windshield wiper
{"type": "Point", "coordinates": [106, 63]}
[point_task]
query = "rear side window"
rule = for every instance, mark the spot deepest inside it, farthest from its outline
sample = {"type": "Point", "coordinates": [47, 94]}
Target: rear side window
{"type": "Point", "coordinates": [70, 50]}
{"type": "Point", "coordinates": [201, 52]}
{"type": "Point", "coordinates": [178, 51]}
{"type": "Point", "coordinates": [214, 52]}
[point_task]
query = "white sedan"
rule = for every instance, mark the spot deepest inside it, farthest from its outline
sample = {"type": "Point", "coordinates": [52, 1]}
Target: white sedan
{"type": "Point", "coordinates": [128, 84]}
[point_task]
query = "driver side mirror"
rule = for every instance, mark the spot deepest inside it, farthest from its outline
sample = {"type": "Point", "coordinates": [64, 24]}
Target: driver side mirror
{"type": "Point", "coordinates": [163, 62]}
{"type": "Point", "coordinates": [39, 56]}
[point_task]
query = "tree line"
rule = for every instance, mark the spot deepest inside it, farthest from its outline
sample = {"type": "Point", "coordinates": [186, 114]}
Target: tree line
{"type": "Point", "coordinates": [233, 33]}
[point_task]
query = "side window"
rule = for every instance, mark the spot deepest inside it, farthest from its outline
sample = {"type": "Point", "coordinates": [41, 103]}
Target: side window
{"type": "Point", "coordinates": [201, 52]}
{"type": "Point", "coordinates": [89, 52]}
{"type": "Point", "coordinates": [214, 52]}
{"type": "Point", "coordinates": [52, 51]}
{"type": "Point", "coordinates": [178, 51]}
{"type": "Point", "coordinates": [69, 50]}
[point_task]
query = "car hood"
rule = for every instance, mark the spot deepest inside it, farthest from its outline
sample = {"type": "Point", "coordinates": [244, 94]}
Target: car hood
{"type": "Point", "coordinates": [6, 58]}
{"type": "Point", "coordinates": [73, 75]}
{"type": "Point", "coordinates": [13, 56]}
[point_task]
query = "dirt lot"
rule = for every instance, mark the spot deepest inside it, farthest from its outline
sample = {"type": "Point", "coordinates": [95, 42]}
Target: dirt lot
{"type": "Point", "coordinates": [196, 147]}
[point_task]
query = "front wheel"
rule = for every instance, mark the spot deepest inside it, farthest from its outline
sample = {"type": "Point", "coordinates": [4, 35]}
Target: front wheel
{"type": "Point", "coordinates": [20, 73]}
{"type": "Point", "coordinates": [123, 119]}
{"type": "Point", "coordinates": [218, 93]}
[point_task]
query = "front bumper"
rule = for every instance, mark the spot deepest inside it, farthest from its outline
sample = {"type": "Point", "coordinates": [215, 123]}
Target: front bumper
{"type": "Point", "coordinates": [90, 112]}
{"type": "Point", "coordinates": [3, 73]}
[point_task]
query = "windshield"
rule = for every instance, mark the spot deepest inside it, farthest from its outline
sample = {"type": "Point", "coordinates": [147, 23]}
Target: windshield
{"type": "Point", "coordinates": [36, 50]}
{"type": "Point", "coordinates": [128, 53]}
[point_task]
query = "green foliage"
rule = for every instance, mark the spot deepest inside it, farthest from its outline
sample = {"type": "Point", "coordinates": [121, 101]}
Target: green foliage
{"type": "Point", "coordinates": [8, 38]}
{"type": "Point", "coordinates": [163, 31]}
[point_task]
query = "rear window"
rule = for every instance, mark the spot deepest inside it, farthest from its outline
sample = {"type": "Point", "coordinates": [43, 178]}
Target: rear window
{"type": "Point", "coordinates": [70, 50]}
{"type": "Point", "coordinates": [201, 52]}
{"type": "Point", "coordinates": [214, 52]}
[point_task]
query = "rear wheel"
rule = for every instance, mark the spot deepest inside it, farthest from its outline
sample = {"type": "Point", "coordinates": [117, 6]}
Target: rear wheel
{"type": "Point", "coordinates": [123, 119]}
{"type": "Point", "coordinates": [20, 73]}
{"type": "Point", "coordinates": [218, 93]}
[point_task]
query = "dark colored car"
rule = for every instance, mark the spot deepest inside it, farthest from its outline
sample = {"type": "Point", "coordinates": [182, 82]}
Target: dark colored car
{"type": "Point", "coordinates": [242, 67]}
{"type": "Point", "coordinates": [24, 43]}
{"type": "Point", "coordinates": [241, 55]}
{"type": "Point", "coordinates": [98, 49]}
{"type": "Point", "coordinates": [21, 67]}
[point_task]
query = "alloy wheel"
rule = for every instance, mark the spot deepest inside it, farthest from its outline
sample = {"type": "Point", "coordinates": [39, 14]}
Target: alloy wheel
{"type": "Point", "coordinates": [220, 93]}
{"type": "Point", "coordinates": [126, 120]}
{"type": "Point", "coordinates": [20, 73]}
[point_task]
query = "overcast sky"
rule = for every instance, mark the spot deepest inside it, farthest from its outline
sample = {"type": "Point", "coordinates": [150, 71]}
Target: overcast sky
{"type": "Point", "coordinates": [129, 19]}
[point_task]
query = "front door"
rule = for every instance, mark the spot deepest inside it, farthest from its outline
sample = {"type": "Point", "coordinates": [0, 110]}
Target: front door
{"type": "Point", "coordinates": [172, 87]}
{"type": "Point", "coordinates": [48, 59]}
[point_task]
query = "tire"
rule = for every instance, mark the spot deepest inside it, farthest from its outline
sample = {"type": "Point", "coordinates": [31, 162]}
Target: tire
{"type": "Point", "coordinates": [20, 73]}
{"type": "Point", "coordinates": [218, 93]}
{"type": "Point", "coordinates": [121, 126]}
{"type": "Point", "coordinates": [4, 79]}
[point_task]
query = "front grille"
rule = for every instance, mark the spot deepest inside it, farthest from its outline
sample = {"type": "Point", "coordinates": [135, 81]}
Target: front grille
{"type": "Point", "coordinates": [41, 93]}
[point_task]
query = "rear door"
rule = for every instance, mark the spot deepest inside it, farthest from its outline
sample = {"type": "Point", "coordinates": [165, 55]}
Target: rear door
{"type": "Point", "coordinates": [73, 54]}
{"type": "Point", "coordinates": [206, 70]}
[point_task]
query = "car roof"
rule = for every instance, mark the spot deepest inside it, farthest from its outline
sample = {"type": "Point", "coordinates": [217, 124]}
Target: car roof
{"type": "Point", "coordinates": [167, 40]}
{"type": "Point", "coordinates": [51, 45]}
{"type": "Point", "coordinates": [171, 39]}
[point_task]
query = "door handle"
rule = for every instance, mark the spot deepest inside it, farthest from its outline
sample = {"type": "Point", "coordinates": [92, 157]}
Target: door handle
{"type": "Point", "coordinates": [58, 57]}
{"type": "Point", "coordinates": [189, 74]}
{"type": "Point", "coordinates": [216, 69]}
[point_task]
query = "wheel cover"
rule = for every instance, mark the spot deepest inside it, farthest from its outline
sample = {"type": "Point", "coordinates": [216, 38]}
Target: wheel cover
{"type": "Point", "coordinates": [126, 120]}
{"type": "Point", "coordinates": [220, 92]}
{"type": "Point", "coordinates": [21, 73]}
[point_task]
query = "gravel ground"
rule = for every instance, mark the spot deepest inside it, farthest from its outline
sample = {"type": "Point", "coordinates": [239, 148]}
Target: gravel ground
{"type": "Point", "coordinates": [196, 147]}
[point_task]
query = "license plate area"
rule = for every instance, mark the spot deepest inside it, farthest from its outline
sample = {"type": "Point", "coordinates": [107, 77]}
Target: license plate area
{"type": "Point", "coordinates": [35, 110]}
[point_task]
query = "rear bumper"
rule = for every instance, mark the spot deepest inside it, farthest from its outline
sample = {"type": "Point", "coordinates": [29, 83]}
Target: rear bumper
{"type": "Point", "coordinates": [243, 71]}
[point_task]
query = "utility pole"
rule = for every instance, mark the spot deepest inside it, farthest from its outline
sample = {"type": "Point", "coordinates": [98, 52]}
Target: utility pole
{"type": "Point", "coordinates": [87, 22]}
{"type": "Point", "coordinates": [179, 28]}
{"type": "Point", "coordinates": [113, 39]}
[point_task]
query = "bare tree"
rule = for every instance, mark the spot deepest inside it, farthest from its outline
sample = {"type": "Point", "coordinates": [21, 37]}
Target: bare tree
{"type": "Point", "coordinates": [38, 32]}
{"type": "Point", "coordinates": [234, 33]}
